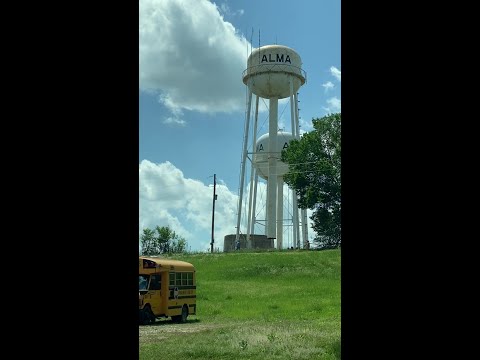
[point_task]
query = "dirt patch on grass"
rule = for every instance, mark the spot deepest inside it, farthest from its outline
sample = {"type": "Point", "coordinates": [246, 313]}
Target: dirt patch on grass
{"type": "Point", "coordinates": [165, 329]}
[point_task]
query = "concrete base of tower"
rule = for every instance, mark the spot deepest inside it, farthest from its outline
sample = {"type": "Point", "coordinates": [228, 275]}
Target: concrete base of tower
{"type": "Point", "coordinates": [258, 242]}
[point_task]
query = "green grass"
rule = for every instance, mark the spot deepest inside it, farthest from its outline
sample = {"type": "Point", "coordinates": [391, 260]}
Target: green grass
{"type": "Point", "coordinates": [256, 305]}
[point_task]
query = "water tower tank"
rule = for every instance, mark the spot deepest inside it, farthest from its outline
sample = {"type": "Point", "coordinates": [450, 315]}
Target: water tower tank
{"type": "Point", "coordinates": [269, 70]}
{"type": "Point", "coordinates": [260, 158]}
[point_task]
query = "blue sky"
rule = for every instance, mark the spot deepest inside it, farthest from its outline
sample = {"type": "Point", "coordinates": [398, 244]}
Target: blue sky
{"type": "Point", "coordinates": [193, 101]}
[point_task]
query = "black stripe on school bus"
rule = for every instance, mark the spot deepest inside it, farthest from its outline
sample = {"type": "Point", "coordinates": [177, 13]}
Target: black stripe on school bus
{"type": "Point", "coordinates": [175, 307]}
{"type": "Point", "coordinates": [183, 297]}
{"type": "Point", "coordinates": [184, 287]}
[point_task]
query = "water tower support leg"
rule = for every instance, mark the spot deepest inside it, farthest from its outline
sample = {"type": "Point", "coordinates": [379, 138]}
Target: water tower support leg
{"type": "Point", "coordinates": [244, 159]}
{"type": "Point", "coordinates": [272, 169]}
{"type": "Point", "coordinates": [280, 213]}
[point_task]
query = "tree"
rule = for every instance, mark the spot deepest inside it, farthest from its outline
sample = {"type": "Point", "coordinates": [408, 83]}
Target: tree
{"type": "Point", "coordinates": [314, 172]}
{"type": "Point", "coordinates": [161, 240]}
{"type": "Point", "coordinates": [165, 236]}
{"type": "Point", "coordinates": [179, 245]}
{"type": "Point", "coordinates": [149, 242]}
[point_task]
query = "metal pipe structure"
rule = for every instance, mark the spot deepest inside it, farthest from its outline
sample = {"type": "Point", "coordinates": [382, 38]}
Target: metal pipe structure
{"type": "Point", "coordinates": [302, 211]}
{"type": "Point", "coordinates": [280, 212]}
{"type": "Point", "coordinates": [244, 159]}
{"type": "Point", "coordinates": [251, 217]}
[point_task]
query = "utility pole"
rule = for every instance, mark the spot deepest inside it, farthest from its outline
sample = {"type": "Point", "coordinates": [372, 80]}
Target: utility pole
{"type": "Point", "coordinates": [213, 210]}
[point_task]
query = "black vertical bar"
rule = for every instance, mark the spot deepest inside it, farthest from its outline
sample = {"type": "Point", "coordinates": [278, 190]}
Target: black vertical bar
{"type": "Point", "coordinates": [213, 211]}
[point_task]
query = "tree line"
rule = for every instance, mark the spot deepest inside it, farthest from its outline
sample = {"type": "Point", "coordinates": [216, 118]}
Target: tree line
{"type": "Point", "coordinates": [161, 240]}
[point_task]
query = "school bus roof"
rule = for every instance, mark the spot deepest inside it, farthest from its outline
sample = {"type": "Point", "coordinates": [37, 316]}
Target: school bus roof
{"type": "Point", "coordinates": [169, 264]}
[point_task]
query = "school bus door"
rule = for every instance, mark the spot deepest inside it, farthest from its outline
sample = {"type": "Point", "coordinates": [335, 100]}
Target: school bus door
{"type": "Point", "coordinates": [155, 293]}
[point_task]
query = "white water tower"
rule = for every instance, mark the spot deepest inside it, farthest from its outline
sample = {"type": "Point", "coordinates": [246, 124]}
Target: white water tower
{"type": "Point", "coordinates": [273, 72]}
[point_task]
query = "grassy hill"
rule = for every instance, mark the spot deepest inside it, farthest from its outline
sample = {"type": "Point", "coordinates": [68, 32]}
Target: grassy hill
{"type": "Point", "coordinates": [256, 305]}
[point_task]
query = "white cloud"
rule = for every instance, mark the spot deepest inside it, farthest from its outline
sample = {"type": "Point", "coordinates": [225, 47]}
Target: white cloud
{"type": "Point", "coordinates": [334, 105]}
{"type": "Point", "coordinates": [305, 126]}
{"type": "Point", "coordinates": [328, 86]}
{"type": "Point", "coordinates": [174, 121]}
{"type": "Point", "coordinates": [336, 73]}
{"type": "Point", "coordinates": [225, 9]}
{"type": "Point", "coordinates": [191, 56]}
{"type": "Point", "coordinates": [167, 198]}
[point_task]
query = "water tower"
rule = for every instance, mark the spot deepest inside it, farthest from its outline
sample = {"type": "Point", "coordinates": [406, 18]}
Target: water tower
{"type": "Point", "coordinates": [273, 72]}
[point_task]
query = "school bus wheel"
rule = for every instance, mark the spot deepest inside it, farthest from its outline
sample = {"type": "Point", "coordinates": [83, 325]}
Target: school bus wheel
{"type": "Point", "coordinates": [183, 317]}
{"type": "Point", "coordinates": [144, 317]}
{"type": "Point", "coordinates": [147, 316]}
{"type": "Point", "coordinates": [184, 314]}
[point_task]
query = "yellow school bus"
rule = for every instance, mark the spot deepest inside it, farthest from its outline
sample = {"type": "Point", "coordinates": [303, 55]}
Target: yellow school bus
{"type": "Point", "coordinates": [166, 289]}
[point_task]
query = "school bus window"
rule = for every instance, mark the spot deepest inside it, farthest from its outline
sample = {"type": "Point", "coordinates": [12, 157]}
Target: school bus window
{"type": "Point", "coordinates": [155, 282]}
{"type": "Point", "coordinates": [178, 279]}
{"type": "Point", "coordinates": [172, 279]}
{"type": "Point", "coordinates": [189, 278]}
{"type": "Point", "coordinates": [142, 282]}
